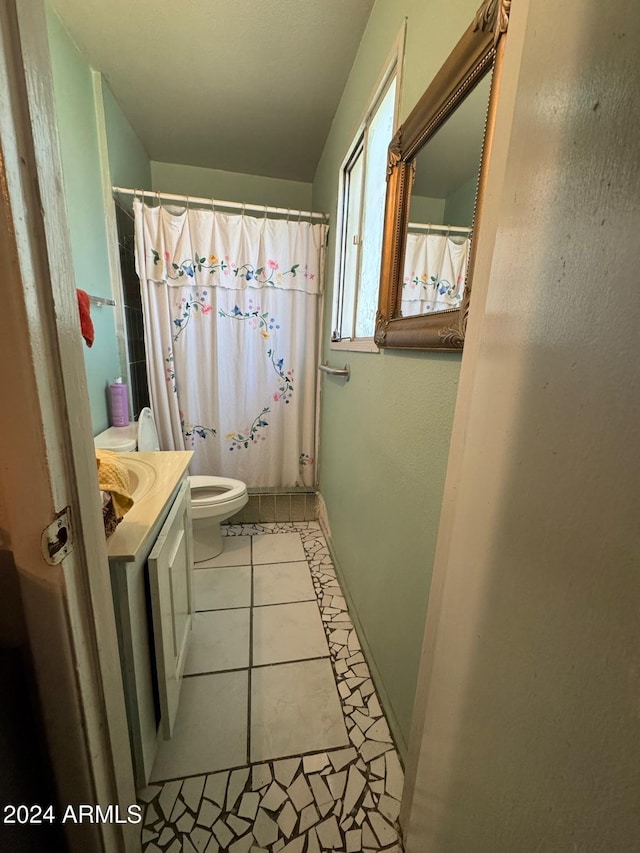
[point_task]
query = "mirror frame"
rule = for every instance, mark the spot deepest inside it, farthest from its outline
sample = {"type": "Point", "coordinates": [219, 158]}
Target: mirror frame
{"type": "Point", "coordinates": [478, 51]}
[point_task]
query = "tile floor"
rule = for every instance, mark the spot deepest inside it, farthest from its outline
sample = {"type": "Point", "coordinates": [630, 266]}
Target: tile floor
{"type": "Point", "coordinates": [280, 743]}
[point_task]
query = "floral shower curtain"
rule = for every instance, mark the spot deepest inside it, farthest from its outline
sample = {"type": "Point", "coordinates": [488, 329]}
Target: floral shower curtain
{"type": "Point", "coordinates": [435, 269]}
{"type": "Point", "coordinates": [231, 311]}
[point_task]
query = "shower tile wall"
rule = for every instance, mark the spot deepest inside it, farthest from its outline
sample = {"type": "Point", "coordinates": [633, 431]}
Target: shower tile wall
{"type": "Point", "coordinates": [133, 312]}
{"type": "Point", "coordinates": [275, 504]}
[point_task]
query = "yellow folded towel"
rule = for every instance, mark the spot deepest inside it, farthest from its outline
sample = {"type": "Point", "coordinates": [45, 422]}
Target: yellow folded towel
{"type": "Point", "coordinates": [113, 477]}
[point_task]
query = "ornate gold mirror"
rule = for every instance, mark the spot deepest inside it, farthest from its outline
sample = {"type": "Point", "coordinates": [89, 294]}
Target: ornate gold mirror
{"type": "Point", "coordinates": [435, 184]}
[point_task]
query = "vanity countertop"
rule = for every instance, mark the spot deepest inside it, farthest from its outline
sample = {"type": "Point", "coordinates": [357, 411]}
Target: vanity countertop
{"type": "Point", "coordinates": [133, 532]}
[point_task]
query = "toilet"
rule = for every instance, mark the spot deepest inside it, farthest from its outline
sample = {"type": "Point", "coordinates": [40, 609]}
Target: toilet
{"type": "Point", "coordinates": [213, 499]}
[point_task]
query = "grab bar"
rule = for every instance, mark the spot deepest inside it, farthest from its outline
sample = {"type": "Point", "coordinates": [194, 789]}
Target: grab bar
{"type": "Point", "coordinates": [336, 371]}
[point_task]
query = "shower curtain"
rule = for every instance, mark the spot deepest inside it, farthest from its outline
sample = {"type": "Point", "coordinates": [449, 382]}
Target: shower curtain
{"type": "Point", "coordinates": [231, 311]}
{"type": "Point", "coordinates": [435, 269]}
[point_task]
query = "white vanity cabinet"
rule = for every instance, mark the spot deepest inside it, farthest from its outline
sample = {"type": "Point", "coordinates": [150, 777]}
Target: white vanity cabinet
{"type": "Point", "coordinates": [171, 579]}
{"type": "Point", "coordinates": [151, 565]}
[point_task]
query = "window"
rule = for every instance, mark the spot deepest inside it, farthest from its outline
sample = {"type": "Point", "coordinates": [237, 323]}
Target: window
{"type": "Point", "coordinates": [362, 196]}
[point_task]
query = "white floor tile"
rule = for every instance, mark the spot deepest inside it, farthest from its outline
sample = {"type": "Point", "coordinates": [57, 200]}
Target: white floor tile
{"type": "Point", "coordinates": [219, 640]}
{"type": "Point", "coordinates": [286, 632]}
{"type": "Point", "coordinates": [225, 587]}
{"type": "Point", "coordinates": [277, 548]}
{"type": "Point", "coordinates": [237, 552]}
{"type": "Point", "coordinates": [295, 709]}
{"type": "Point", "coordinates": [278, 583]}
{"type": "Point", "coordinates": [211, 727]}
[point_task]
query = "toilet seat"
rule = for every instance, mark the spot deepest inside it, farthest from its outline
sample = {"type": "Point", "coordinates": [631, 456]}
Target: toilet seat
{"type": "Point", "coordinates": [147, 432]}
{"type": "Point", "coordinates": [207, 492]}
{"type": "Point", "coordinates": [213, 500]}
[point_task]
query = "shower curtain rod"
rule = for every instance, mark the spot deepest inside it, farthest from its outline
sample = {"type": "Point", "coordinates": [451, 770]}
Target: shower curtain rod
{"type": "Point", "coordinates": [458, 229]}
{"type": "Point", "coordinates": [190, 199]}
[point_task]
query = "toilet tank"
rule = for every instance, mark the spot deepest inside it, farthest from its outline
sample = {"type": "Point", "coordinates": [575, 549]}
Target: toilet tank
{"type": "Point", "coordinates": [118, 439]}
{"type": "Point", "coordinates": [142, 435]}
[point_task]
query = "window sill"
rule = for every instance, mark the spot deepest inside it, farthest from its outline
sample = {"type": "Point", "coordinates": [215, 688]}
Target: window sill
{"type": "Point", "coordinates": [355, 345]}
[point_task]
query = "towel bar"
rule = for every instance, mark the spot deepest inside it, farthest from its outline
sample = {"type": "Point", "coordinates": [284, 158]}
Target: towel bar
{"type": "Point", "coordinates": [336, 371]}
{"type": "Point", "coordinates": [101, 300]}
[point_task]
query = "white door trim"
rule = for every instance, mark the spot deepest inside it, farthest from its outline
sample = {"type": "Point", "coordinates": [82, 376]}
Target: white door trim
{"type": "Point", "coordinates": [47, 457]}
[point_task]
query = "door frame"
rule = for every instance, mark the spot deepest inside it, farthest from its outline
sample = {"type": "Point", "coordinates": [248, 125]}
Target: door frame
{"type": "Point", "coordinates": [47, 460]}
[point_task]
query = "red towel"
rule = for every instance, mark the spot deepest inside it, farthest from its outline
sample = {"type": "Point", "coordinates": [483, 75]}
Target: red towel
{"type": "Point", "coordinates": [86, 326]}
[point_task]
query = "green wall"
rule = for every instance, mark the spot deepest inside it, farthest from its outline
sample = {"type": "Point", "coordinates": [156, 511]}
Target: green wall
{"type": "Point", "coordinates": [129, 162]}
{"type": "Point", "coordinates": [426, 209]}
{"type": "Point", "coordinates": [129, 166]}
{"type": "Point", "coordinates": [230, 186]}
{"type": "Point", "coordinates": [74, 101]}
{"type": "Point", "coordinates": [459, 207]}
{"type": "Point", "coordinates": [385, 434]}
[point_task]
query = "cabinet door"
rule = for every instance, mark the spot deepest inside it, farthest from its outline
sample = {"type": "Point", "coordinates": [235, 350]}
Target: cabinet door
{"type": "Point", "coordinates": [171, 577]}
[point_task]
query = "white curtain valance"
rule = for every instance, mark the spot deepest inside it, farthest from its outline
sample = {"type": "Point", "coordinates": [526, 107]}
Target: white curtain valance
{"type": "Point", "coordinates": [435, 270]}
{"type": "Point", "coordinates": [227, 250]}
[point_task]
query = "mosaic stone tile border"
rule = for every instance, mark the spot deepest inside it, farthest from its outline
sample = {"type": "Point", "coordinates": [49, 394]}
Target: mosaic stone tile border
{"type": "Point", "coordinates": [345, 799]}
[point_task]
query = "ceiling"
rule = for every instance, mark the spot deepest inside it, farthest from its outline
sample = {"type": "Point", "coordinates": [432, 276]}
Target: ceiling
{"type": "Point", "coordinates": [453, 154]}
{"type": "Point", "coordinates": [240, 85]}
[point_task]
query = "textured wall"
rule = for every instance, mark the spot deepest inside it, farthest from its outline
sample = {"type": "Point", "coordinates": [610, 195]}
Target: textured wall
{"type": "Point", "coordinates": [530, 739]}
{"type": "Point", "coordinates": [385, 434]}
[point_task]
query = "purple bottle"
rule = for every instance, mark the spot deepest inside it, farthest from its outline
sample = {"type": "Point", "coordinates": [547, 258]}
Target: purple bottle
{"type": "Point", "coordinates": [119, 400]}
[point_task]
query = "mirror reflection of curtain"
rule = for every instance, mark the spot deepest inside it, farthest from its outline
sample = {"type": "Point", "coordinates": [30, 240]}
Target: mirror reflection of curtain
{"type": "Point", "coordinates": [230, 307]}
{"type": "Point", "coordinates": [434, 273]}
